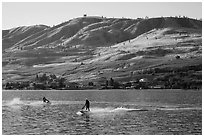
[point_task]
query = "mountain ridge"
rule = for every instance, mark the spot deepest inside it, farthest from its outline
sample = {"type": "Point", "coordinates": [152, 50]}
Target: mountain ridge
{"type": "Point", "coordinates": [75, 31]}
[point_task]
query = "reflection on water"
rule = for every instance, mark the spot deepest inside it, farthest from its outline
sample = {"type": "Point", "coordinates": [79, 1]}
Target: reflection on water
{"type": "Point", "coordinates": [25, 113]}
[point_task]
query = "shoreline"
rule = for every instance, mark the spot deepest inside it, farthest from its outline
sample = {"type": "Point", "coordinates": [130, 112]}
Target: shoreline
{"type": "Point", "coordinates": [107, 90]}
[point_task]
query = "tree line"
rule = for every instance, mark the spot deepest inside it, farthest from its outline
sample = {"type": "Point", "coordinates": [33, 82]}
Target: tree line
{"type": "Point", "coordinates": [188, 77]}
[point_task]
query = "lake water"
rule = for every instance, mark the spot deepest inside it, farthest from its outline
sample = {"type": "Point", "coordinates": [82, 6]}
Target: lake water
{"type": "Point", "coordinates": [113, 112]}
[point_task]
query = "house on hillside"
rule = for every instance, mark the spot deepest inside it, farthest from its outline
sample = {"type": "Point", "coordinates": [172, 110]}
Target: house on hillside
{"type": "Point", "coordinates": [143, 80]}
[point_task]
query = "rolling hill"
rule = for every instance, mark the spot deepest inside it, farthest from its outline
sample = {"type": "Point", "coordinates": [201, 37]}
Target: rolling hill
{"type": "Point", "coordinates": [89, 49]}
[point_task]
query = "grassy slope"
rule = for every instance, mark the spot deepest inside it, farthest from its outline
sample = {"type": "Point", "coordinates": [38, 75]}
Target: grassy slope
{"type": "Point", "coordinates": [156, 48]}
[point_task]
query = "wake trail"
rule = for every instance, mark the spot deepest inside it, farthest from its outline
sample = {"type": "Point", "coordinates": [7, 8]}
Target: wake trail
{"type": "Point", "coordinates": [96, 111]}
{"type": "Point", "coordinates": [17, 103]}
{"type": "Point", "coordinates": [179, 109]}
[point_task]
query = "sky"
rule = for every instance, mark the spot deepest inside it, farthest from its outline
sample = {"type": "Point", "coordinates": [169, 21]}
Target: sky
{"type": "Point", "coordinates": [16, 14]}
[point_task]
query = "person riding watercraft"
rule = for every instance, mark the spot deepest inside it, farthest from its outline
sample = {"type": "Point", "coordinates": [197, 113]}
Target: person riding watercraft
{"type": "Point", "coordinates": [45, 100]}
{"type": "Point", "coordinates": [87, 105]}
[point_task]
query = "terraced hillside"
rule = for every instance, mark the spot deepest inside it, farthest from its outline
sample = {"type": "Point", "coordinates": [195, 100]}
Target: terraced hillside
{"type": "Point", "coordinates": [91, 49]}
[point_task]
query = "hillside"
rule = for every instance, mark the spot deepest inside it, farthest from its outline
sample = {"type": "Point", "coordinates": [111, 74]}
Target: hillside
{"type": "Point", "coordinates": [93, 49]}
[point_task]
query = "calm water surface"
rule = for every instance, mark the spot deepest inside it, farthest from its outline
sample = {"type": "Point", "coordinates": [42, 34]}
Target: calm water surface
{"type": "Point", "coordinates": [113, 112]}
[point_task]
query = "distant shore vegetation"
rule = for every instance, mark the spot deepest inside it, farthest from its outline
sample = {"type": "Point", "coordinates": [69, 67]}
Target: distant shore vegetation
{"type": "Point", "coordinates": [189, 77]}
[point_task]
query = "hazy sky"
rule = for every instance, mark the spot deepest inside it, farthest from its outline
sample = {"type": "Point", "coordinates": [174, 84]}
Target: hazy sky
{"type": "Point", "coordinates": [53, 13]}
